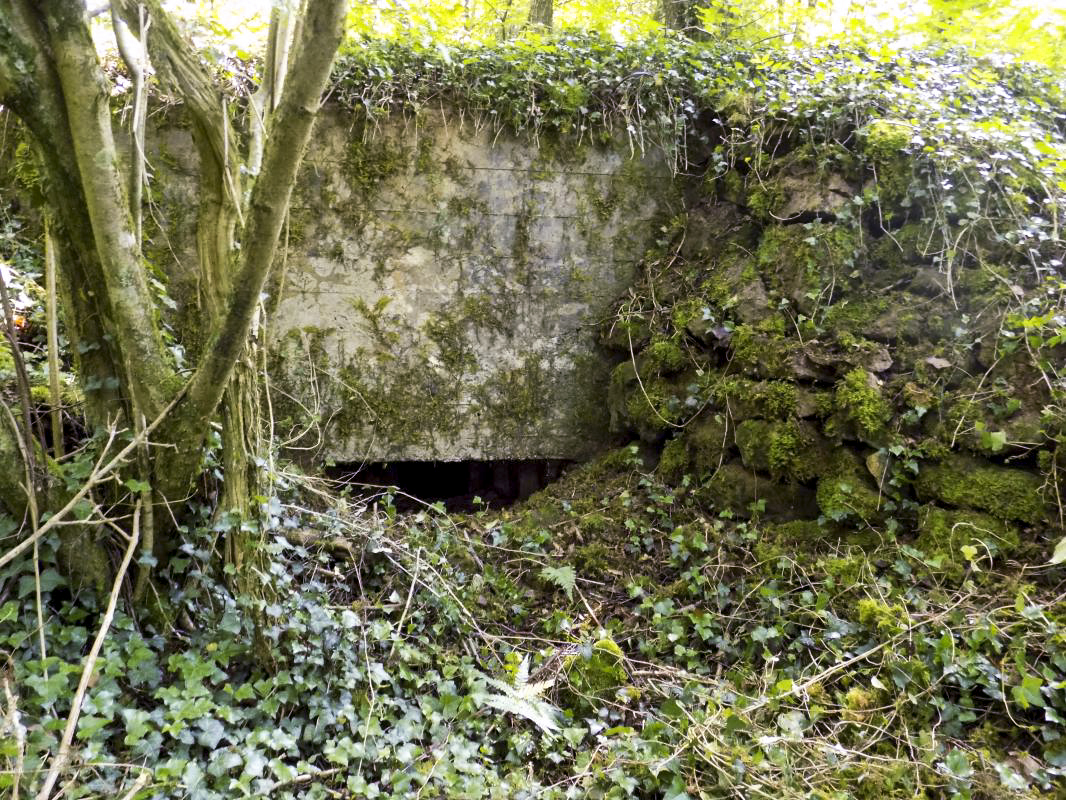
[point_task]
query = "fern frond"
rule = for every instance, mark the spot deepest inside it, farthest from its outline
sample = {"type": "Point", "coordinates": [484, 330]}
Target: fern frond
{"type": "Point", "coordinates": [564, 577]}
{"type": "Point", "coordinates": [522, 699]}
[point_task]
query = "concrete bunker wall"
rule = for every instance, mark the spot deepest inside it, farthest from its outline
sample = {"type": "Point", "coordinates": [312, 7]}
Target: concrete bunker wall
{"type": "Point", "coordinates": [442, 288]}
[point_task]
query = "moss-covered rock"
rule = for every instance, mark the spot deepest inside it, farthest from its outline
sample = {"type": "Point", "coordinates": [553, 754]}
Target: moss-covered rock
{"type": "Point", "coordinates": [798, 532]}
{"type": "Point", "coordinates": [762, 353]}
{"type": "Point", "coordinates": [846, 491]}
{"type": "Point", "coordinates": [862, 411]}
{"type": "Point", "coordinates": [647, 405]}
{"type": "Point", "coordinates": [884, 143]}
{"type": "Point", "coordinates": [744, 492]}
{"type": "Point", "coordinates": [735, 289]}
{"type": "Point", "coordinates": [790, 450]}
{"type": "Point", "coordinates": [662, 356]}
{"type": "Point", "coordinates": [943, 532]}
{"type": "Point", "coordinates": [697, 451]}
{"type": "Point", "coordinates": [966, 482]}
{"type": "Point", "coordinates": [796, 262]}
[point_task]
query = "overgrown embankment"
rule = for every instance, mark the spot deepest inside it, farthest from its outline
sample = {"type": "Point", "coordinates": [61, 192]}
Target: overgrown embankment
{"type": "Point", "coordinates": [859, 315]}
{"type": "Point", "coordinates": [817, 570]}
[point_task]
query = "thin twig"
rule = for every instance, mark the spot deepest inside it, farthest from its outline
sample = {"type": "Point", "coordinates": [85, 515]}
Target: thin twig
{"type": "Point", "coordinates": [63, 755]}
{"type": "Point", "coordinates": [100, 471]}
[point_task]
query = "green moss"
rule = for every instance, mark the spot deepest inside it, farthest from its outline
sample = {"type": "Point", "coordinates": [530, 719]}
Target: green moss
{"type": "Point", "coordinates": [662, 356]}
{"type": "Point", "coordinates": [698, 451]}
{"type": "Point", "coordinates": [83, 557]}
{"type": "Point", "coordinates": [424, 161]}
{"type": "Point", "coordinates": [884, 142]}
{"type": "Point", "coordinates": [649, 406]}
{"type": "Point", "coordinates": [594, 559]}
{"type": "Point", "coordinates": [632, 330]}
{"type": "Point", "coordinates": [784, 449]}
{"type": "Point", "coordinates": [888, 620]}
{"type": "Point", "coordinates": [743, 492]}
{"type": "Point", "coordinates": [765, 198]}
{"type": "Point", "coordinates": [942, 533]}
{"type": "Point", "coordinates": [779, 398]}
{"type": "Point", "coordinates": [745, 398]}
{"type": "Point", "coordinates": [855, 316]}
{"type": "Point", "coordinates": [858, 698]}
{"type": "Point", "coordinates": [846, 492]}
{"type": "Point", "coordinates": [796, 262]}
{"type": "Point", "coordinates": [368, 163]}
{"type": "Point", "coordinates": [7, 363]}
{"type": "Point", "coordinates": [845, 571]}
{"type": "Point", "coordinates": [448, 333]}
{"type": "Point", "coordinates": [687, 311]}
{"type": "Point", "coordinates": [25, 170]}
{"type": "Point", "coordinates": [964, 482]}
{"type": "Point", "coordinates": [513, 400]}
{"type": "Point", "coordinates": [861, 403]}
{"type": "Point", "coordinates": [761, 354]}
{"type": "Point", "coordinates": [886, 139]}
{"type": "Point", "coordinates": [797, 532]}
{"type": "Point", "coordinates": [594, 676]}
{"type": "Point", "coordinates": [675, 460]}
{"type": "Point", "coordinates": [729, 186]}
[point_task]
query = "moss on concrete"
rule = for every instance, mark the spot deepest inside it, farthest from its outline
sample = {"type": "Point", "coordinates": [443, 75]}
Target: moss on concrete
{"type": "Point", "coordinates": [369, 161]}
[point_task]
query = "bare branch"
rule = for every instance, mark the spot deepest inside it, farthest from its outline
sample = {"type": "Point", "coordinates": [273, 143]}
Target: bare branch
{"type": "Point", "coordinates": [63, 755]}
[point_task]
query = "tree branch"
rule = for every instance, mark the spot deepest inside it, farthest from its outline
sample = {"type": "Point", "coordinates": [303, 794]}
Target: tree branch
{"type": "Point", "coordinates": [308, 76]}
{"type": "Point", "coordinates": [85, 94]}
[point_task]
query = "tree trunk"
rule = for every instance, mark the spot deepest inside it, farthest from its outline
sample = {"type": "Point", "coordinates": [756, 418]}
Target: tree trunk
{"type": "Point", "coordinates": [51, 78]}
{"type": "Point", "coordinates": [540, 13]}
{"type": "Point", "coordinates": [680, 15]}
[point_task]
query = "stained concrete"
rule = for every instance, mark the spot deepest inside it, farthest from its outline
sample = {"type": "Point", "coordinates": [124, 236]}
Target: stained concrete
{"type": "Point", "coordinates": [442, 286]}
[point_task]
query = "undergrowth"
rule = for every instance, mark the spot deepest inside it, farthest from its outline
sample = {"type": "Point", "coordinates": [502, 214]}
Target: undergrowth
{"type": "Point", "coordinates": [425, 655]}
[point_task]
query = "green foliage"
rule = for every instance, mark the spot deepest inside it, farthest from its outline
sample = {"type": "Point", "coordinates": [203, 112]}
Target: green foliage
{"type": "Point", "coordinates": [564, 577]}
{"type": "Point", "coordinates": [792, 653]}
{"type": "Point", "coordinates": [711, 656]}
{"type": "Point", "coordinates": [859, 398]}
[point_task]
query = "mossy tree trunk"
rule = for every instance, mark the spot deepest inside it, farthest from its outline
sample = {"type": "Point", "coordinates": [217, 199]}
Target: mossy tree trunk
{"type": "Point", "coordinates": [51, 78]}
{"type": "Point", "coordinates": [680, 15]}
{"type": "Point", "coordinates": [540, 12]}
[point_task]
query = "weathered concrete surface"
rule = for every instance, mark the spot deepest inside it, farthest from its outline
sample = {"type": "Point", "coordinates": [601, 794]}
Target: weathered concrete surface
{"type": "Point", "coordinates": [441, 289]}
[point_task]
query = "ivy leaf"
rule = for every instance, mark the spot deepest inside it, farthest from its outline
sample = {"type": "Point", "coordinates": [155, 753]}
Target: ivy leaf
{"type": "Point", "coordinates": [211, 733]}
{"type": "Point", "coordinates": [1060, 552]}
{"type": "Point", "coordinates": [136, 486]}
{"type": "Point", "coordinates": [136, 725]}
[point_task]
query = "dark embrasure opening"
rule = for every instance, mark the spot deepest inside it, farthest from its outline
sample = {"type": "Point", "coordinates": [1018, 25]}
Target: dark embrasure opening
{"type": "Point", "coordinates": [460, 485]}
